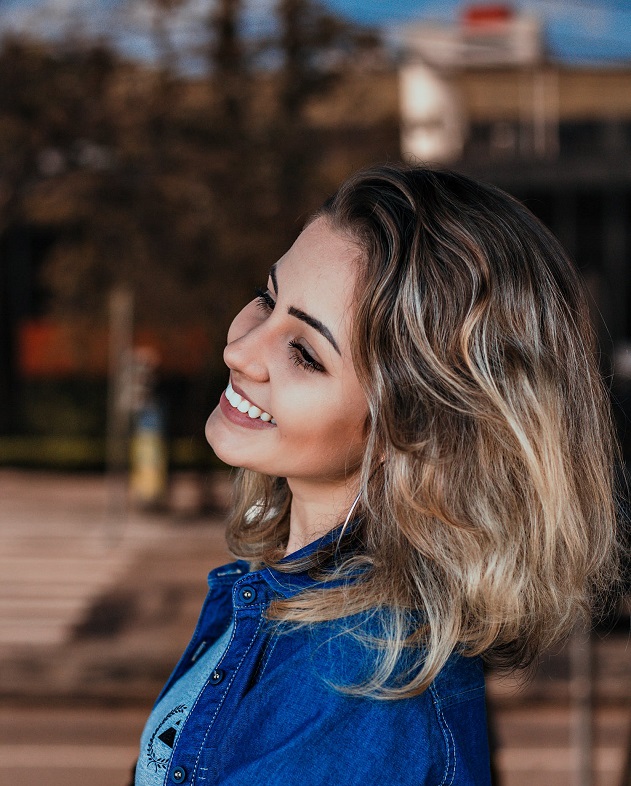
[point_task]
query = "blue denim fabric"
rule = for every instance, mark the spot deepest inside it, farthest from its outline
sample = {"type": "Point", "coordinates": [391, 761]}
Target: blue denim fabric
{"type": "Point", "coordinates": [274, 718]}
{"type": "Point", "coordinates": [169, 714]}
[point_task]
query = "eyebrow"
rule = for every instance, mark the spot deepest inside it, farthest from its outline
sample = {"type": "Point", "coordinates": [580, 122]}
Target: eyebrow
{"type": "Point", "coordinates": [306, 318]}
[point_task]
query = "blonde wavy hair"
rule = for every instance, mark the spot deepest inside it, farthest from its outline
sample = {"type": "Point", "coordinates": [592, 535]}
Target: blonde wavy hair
{"type": "Point", "coordinates": [486, 518]}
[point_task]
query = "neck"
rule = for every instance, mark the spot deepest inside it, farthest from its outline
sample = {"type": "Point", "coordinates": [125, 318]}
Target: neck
{"type": "Point", "coordinates": [316, 511]}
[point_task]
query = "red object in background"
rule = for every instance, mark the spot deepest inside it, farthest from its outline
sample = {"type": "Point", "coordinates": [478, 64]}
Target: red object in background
{"type": "Point", "coordinates": [56, 349]}
{"type": "Point", "coordinates": [51, 349]}
{"type": "Point", "coordinates": [483, 15]}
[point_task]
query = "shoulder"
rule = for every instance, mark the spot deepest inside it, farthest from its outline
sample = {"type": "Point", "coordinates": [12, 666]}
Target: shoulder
{"type": "Point", "coordinates": [436, 737]}
{"type": "Point", "coordinates": [346, 651]}
{"type": "Point", "coordinates": [295, 729]}
{"type": "Point", "coordinates": [461, 679]}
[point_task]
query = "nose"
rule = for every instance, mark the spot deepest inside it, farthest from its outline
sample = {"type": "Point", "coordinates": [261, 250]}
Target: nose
{"type": "Point", "coordinates": [244, 352]}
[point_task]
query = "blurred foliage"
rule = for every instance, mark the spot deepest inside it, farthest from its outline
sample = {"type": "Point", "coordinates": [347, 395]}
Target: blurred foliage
{"type": "Point", "coordinates": [183, 187]}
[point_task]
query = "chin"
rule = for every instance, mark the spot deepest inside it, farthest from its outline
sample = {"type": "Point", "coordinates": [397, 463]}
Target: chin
{"type": "Point", "coordinates": [222, 441]}
{"type": "Point", "coordinates": [218, 441]}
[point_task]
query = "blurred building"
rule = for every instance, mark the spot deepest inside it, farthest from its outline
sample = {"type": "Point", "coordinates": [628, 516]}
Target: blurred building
{"type": "Point", "coordinates": [435, 104]}
{"type": "Point", "coordinates": [481, 95]}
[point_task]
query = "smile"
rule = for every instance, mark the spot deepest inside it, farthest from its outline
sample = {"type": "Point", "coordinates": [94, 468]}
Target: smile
{"type": "Point", "coordinates": [241, 404]}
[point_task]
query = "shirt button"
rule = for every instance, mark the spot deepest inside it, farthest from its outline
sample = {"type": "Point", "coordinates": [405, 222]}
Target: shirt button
{"type": "Point", "coordinates": [178, 775]}
{"type": "Point", "coordinates": [247, 594]}
{"type": "Point", "coordinates": [216, 676]}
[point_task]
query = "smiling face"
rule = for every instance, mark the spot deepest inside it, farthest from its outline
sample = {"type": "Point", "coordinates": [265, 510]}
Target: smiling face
{"type": "Point", "coordinates": [289, 357]}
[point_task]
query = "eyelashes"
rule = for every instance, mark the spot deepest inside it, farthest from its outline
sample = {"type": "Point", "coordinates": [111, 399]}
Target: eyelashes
{"type": "Point", "coordinates": [301, 357]}
{"type": "Point", "coordinates": [264, 300]}
{"type": "Point", "coordinates": [298, 353]}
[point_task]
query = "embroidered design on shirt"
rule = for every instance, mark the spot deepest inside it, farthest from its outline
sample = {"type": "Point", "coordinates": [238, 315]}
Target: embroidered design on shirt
{"type": "Point", "coordinates": [160, 746]}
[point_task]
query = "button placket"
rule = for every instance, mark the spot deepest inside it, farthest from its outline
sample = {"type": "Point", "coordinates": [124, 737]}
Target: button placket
{"type": "Point", "coordinates": [212, 702]}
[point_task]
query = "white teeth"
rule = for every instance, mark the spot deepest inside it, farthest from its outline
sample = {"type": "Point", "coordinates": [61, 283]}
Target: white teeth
{"type": "Point", "coordinates": [243, 405]}
{"type": "Point", "coordinates": [234, 398]}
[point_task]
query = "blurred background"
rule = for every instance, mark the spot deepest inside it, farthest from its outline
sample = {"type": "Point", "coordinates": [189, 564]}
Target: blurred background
{"type": "Point", "coordinates": [156, 156]}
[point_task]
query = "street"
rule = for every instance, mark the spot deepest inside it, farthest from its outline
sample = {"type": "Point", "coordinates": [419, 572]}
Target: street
{"type": "Point", "coordinates": [94, 612]}
{"type": "Point", "coordinates": [58, 746]}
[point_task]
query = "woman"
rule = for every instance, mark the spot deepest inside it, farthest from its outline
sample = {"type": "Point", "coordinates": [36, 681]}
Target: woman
{"type": "Point", "coordinates": [426, 459]}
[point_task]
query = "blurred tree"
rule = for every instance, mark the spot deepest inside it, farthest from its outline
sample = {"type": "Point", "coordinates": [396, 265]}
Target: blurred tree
{"type": "Point", "coordinates": [310, 39]}
{"type": "Point", "coordinates": [317, 49]}
{"type": "Point", "coordinates": [49, 108]}
{"type": "Point", "coordinates": [162, 16]}
{"type": "Point", "coordinates": [185, 188]}
{"type": "Point", "coordinates": [228, 62]}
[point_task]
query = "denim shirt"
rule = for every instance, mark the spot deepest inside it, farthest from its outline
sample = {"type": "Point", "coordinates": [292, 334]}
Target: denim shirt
{"type": "Point", "coordinates": [269, 714]}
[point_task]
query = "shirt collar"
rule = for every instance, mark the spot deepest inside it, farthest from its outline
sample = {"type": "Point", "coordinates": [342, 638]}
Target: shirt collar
{"type": "Point", "coordinates": [289, 584]}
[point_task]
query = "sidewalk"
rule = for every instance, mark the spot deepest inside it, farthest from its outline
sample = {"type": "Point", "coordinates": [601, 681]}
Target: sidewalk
{"type": "Point", "coordinates": [95, 608]}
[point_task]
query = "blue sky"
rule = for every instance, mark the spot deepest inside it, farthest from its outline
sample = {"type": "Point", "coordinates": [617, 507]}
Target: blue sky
{"type": "Point", "coordinates": [576, 30]}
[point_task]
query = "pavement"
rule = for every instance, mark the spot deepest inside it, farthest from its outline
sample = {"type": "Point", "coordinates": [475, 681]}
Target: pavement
{"type": "Point", "coordinates": [97, 603]}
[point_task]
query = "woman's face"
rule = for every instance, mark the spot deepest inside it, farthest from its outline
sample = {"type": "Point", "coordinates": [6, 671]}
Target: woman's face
{"type": "Point", "coordinates": [289, 356]}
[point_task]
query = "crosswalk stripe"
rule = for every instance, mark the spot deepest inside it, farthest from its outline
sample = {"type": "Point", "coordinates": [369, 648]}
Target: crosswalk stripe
{"type": "Point", "coordinates": [47, 583]}
{"type": "Point", "coordinates": [68, 756]}
{"type": "Point", "coordinates": [556, 759]}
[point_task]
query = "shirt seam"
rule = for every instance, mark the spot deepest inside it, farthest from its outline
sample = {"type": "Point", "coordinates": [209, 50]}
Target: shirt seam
{"type": "Point", "coordinates": [445, 729]}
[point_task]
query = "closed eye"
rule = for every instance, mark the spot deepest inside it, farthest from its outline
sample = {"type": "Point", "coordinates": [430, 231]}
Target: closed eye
{"type": "Point", "coordinates": [302, 358]}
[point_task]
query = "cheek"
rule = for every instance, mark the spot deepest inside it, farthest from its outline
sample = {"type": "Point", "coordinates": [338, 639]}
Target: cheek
{"type": "Point", "coordinates": [350, 431]}
{"type": "Point", "coordinates": [323, 430]}
{"type": "Point", "coordinates": [344, 444]}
